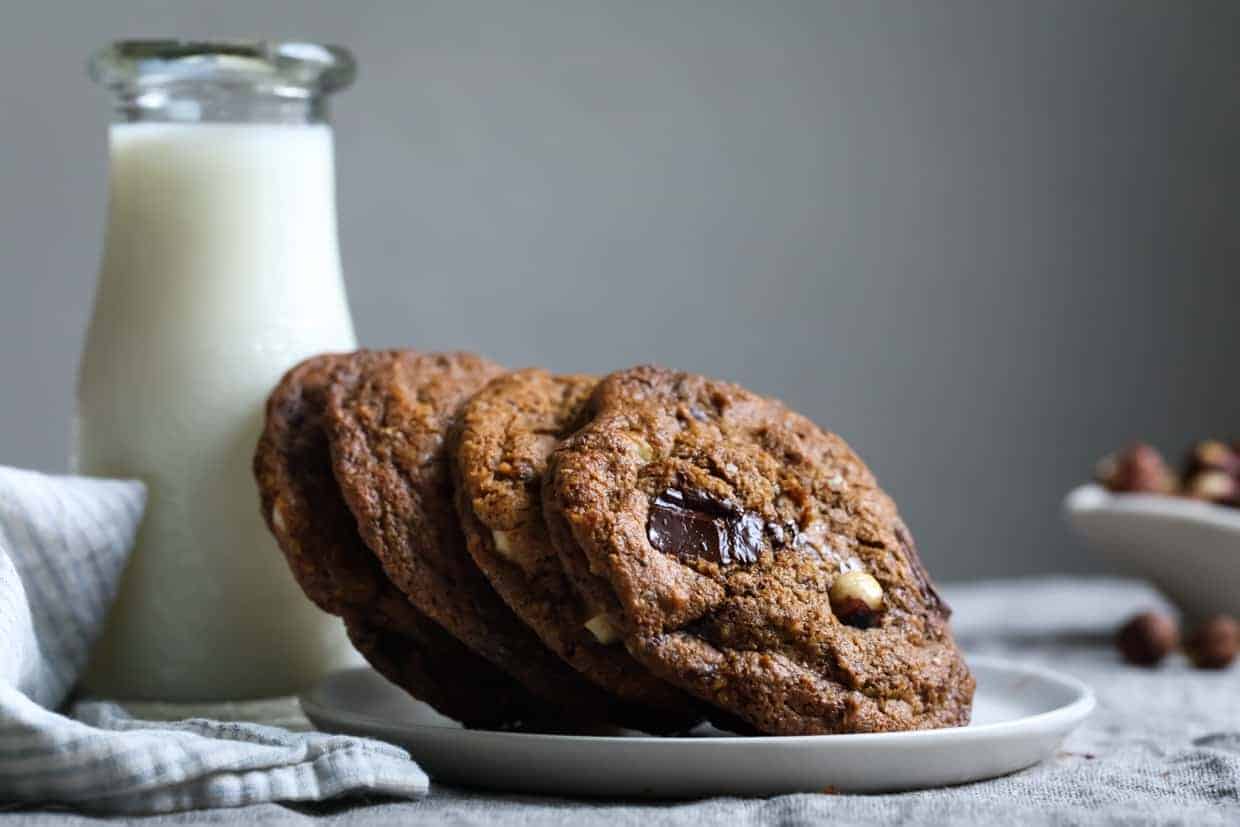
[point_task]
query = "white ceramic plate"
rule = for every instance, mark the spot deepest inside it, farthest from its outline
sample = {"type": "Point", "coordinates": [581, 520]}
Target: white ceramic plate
{"type": "Point", "coordinates": [1020, 716]}
{"type": "Point", "coordinates": [1189, 549]}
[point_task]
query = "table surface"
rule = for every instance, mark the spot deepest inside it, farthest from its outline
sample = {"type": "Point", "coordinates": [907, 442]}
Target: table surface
{"type": "Point", "coordinates": [1162, 747]}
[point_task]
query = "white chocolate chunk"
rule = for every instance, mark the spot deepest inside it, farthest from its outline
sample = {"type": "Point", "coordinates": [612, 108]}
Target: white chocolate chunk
{"type": "Point", "coordinates": [503, 544]}
{"type": "Point", "coordinates": [604, 629]}
{"type": "Point", "coordinates": [644, 451]}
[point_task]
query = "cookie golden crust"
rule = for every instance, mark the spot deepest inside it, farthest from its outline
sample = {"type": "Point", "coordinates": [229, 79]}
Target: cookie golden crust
{"type": "Point", "coordinates": [713, 523]}
{"type": "Point", "coordinates": [388, 434]}
{"type": "Point", "coordinates": [313, 527]}
{"type": "Point", "coordinates": [506, 433]}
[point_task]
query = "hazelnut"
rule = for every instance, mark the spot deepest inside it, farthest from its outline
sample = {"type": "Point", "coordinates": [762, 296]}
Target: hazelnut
{"type": "Point", "coordinates": [1213, 486]}
{"type": "Point", "coordinates": [1139, 467]}
{"type": "Point", "coordinates": [1214, 643]}
{"type": "Point", "coordinates": [856, 599]}
{"type": "Point", "coordinates": [1212, 455]}
{"type": "Point", "coordinates": [1147, 638]}
{"type": "Point", "coordinates": [604, 629]}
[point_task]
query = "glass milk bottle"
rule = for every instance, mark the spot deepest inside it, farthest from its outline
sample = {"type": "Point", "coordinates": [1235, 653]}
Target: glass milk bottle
{"type": "Point", "coordinates": [220, 271]}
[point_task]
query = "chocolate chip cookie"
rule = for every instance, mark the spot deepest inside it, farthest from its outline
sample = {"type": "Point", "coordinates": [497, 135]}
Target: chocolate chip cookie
{"type": "Point", "coordinates": [506, 433]}
{"type": "Point", "coordinates": [749, 557]}
{"type": "Point", "coordinates": [303, 507]}
{"type": "Point", "coordinates": [387, 431]}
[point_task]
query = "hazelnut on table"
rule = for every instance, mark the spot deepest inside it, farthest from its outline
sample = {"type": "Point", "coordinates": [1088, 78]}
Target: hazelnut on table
{"type": "Point", "coordinates": [1214, 643]}
{"type": "Point", "coordinates": [1147, 638]}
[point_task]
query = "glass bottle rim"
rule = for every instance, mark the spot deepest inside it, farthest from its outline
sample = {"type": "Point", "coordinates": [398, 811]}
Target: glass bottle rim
{"type": "Point", "coordinates": [282, 67]}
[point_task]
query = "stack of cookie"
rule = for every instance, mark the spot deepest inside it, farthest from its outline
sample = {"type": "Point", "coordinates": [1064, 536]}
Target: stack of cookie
{"type": "Point", "coordinates": [652, 549]}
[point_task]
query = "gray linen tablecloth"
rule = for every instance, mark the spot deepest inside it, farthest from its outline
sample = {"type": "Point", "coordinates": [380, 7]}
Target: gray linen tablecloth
{"type": "Point", "coordinates": [1163, 746]}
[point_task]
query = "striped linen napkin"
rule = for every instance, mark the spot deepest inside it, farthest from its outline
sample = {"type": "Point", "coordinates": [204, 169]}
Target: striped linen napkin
{"type": "Point", "coordinates": [63, 545]}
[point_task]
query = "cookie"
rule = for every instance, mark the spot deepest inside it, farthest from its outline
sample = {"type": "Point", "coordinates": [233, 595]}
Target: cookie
{"type": "Point", "coordinates": [387, 432]}
{"type": "Point", "coordinates": [507, 431]}
{"type": "Point", "coordinates": [714, 523]}
{"type": "Point", "coordinates": [438, 669]}
{"type": "Point", "coordinates": [313, 527]}
{"type": "Point", "coordinates": [300, 499]}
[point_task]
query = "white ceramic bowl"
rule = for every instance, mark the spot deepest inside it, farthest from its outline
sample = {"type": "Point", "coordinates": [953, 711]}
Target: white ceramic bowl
{"type": "Point", "coordinates": [1188, 549]}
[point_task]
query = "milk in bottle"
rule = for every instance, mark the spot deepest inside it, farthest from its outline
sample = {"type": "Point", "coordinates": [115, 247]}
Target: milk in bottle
{"type": "Point", "coordinates": [220, 271]}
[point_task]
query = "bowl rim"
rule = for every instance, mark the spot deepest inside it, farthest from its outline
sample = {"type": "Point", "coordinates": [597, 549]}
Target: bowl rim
{"type": "Point", "coordinates": [1092, 498]}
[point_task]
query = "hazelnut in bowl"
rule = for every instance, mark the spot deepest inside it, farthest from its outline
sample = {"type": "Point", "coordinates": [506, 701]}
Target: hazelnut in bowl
{"type": "Point", "coordinates": [1179, 531]}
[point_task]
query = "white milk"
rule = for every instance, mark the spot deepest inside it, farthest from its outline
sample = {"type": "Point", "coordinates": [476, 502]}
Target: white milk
{"type": "Point", "coordinates": [221, 271]}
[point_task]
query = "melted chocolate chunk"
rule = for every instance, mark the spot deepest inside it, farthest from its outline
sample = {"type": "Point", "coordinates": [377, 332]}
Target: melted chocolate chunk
{"type": "Point", "coordinates": [694, 525]}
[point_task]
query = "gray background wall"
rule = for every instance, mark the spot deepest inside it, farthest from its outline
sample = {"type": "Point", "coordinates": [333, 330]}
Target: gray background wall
{"type": "Point", "coordinates": [985, 241]}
